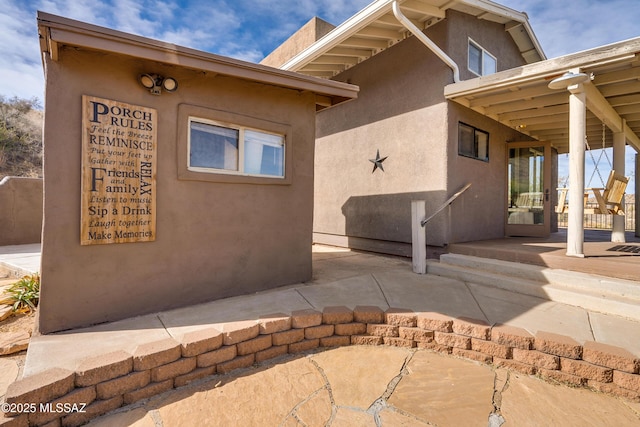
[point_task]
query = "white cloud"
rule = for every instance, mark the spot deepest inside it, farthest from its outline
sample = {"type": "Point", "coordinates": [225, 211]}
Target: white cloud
{"type": "Point", "coordinates": [23, 81]}
{"type": "Point", "coordinates": [89, 11]}
{"type": "Point", "coordinates": [250, 29]}
{"type": "Point", "coordinates": [21, 72]}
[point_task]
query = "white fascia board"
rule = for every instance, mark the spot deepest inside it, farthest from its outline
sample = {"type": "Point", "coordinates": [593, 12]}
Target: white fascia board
{"type": "Point", "coordinates": [509, 13]}
{"type": "Point", "coordinates": [342, 32]}
{"type": "Point", "coordinates": [534, 39]}
{"type": "Point", "coordinates": [496, 9]}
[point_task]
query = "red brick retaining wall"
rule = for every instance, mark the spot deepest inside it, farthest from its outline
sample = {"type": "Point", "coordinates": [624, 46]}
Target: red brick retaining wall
{"type": "Point", "coordinates": [109, 381]}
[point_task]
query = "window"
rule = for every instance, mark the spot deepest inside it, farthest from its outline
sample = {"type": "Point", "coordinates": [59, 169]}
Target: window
{"type": "Point", "coordinates": [481, 62]}
{"type": "Point", "coordinates": [224, 148]}
{"type": "Point", "coordinates": [229, 147]}
{"type": "Point", "coordinates": [473, 142]}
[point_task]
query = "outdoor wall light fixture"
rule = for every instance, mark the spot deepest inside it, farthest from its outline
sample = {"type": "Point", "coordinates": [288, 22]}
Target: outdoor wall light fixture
{"type": "Point", "coordinates": [568, 79]}
{"type": "Point", "coordinates": [156, 83]}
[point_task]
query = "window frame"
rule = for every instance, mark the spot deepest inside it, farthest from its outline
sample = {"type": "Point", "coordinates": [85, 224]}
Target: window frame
{"type": "Point", "coordinates": [476, 146]}
{"type": "Point", "coordinates": [483, 53]}
{"type": "Point", "coordinates": [241, 155]}
{"type": "Point", "coordinates": [188, 113]}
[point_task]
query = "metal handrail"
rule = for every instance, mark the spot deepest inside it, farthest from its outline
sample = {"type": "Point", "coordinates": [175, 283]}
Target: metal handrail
{"type": "Point", "coordinates": [445, 204]}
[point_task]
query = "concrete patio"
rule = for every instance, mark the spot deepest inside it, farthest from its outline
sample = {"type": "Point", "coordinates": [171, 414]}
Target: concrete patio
{"type": "Point", "coordinates": [354, 284]}
{"type": "Point", "coordinates": [342, 278]}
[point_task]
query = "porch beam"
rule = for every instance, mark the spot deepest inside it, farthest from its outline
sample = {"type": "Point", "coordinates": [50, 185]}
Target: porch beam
{"type": "Point", "coordinates": [535, 112]}
{"type": "Point", "coordinates": [599, 106]}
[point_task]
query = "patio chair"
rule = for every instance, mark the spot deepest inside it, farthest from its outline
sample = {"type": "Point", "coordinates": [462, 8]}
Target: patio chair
{"type": "Point", "coordinates": [609, 199]}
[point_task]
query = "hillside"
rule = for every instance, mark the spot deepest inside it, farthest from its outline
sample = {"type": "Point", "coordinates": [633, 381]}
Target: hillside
{"type": "Point", "coordinates": [20, 137]}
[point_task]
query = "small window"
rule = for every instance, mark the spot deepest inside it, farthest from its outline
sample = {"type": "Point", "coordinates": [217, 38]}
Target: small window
{"type": "Point", "coordinates": [223, 148]}
{"type": "Point", "coordinates": [481, 62]}
{"type": "Point", "coordinates": [473, 142]}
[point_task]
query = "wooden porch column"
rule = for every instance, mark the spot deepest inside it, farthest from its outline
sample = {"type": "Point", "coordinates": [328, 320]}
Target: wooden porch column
{"type": "Point", "coordinates": [577, 130]}
{"type": "Point", "coordinates": [617, 232]}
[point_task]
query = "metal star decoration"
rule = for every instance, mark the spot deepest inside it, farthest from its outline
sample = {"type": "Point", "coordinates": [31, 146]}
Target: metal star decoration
{"type": "Point", "coordinates": [377, 162]}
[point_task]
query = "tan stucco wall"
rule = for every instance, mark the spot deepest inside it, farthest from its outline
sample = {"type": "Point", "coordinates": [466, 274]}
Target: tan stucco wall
{"type": "Point", "coordinates": [401, 111]}
{"type": "Point", "coordinates": [213, 239]}
{"type": "Point", "coordinates": [489, 35]}
{"type": "Point", "coordinates": [308, 34]}
{"type": "Point", "coordinates": [480, 213]}
{"type": "Point", "coordinates": [20, 210]}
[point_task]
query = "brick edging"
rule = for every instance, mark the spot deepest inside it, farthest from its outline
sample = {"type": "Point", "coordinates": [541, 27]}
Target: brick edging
{"type": "Point", "coordinates": [109, 381]}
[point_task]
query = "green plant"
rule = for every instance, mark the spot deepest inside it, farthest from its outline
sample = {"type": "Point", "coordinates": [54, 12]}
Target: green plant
{"type": "Point", "coordinates": [24, 294]}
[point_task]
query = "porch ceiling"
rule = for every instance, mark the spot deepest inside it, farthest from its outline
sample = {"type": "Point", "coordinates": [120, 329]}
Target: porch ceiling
{"type": "Point", "coordinates": [375, 29]}
{"type": "Point", "coordinates": [520, 97]}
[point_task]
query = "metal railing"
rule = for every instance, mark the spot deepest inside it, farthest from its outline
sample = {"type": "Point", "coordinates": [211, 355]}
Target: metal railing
{"type": "Point", "coordinates": [445, 204]}
{"type": "Point", "coordinates": [418, 230]}
{"type": "Point", "coordinates": [604, 222]}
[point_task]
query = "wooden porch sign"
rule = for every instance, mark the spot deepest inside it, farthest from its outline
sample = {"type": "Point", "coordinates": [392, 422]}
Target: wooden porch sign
{"type": "Point", "coordinates": [119, 144]}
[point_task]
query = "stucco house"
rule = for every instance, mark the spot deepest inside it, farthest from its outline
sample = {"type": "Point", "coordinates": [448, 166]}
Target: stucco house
{"type": "Point", "coordinates": [451, 94]}
{"type": "Point", "coordinates": [172, 176]}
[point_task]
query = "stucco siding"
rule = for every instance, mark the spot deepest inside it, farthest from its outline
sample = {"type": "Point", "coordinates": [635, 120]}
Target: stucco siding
{"type": "Point", "coordinates": [491, 36]}
{"type": "Point", "coordinates": [214, 239]}
{"type": "Point", "coordinates": [308, 34]}
{"type": "Point", "coordinates": [401, 112]}
{"type": "Point", "coordinates": [480, 213]}
{"type": "Point", "coordinates": [20, 210]}
{"type": "Point", "coordinates": [352, 200]}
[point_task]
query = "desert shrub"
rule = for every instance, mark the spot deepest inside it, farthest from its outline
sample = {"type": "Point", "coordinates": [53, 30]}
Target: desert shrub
{"type": "Point", "coordinates": [20, 137]}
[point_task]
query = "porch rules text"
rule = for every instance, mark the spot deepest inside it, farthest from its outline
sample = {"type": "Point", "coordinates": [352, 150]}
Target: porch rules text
{"type": "Point", "coordinates": [118, 172]}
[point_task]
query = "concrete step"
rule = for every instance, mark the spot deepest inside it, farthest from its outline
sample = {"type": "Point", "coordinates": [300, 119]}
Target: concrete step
{"type": "Point", "coordinates": [570, 279]}
{"type": "Point", "coordinates": [597, 293]}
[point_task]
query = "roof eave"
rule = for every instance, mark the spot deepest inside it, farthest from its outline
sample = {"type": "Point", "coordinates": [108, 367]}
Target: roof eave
{"type": "Point", "coordinates": [549, 68]}
{"type": "Point", "coordinates": [379, 8]}
{"type": "Point", "coordinates": [508, 13]}
{"type": "Point", "coordinates": [56, 31]}
{"type": "Point", "coordinates": [506, 95]}
{"type": "Point", "coordinates": [339, 34]}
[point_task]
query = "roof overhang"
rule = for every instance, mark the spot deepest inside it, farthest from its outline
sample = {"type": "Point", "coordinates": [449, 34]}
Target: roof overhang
{"type": "Point", "coordinates": [521, 99]}
{"type": "Point", "coordinates": [375, 28]}
{"type": "Point", "coordinates": [56, 31]}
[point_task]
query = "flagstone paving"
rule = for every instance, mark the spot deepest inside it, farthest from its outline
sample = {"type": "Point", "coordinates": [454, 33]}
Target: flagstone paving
{"type": "Point", "coordinates": [376, 386]}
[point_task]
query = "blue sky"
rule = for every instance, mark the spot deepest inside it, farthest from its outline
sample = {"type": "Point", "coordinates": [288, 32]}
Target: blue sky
{"type": "Point", "coordinates": [250, 29]}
